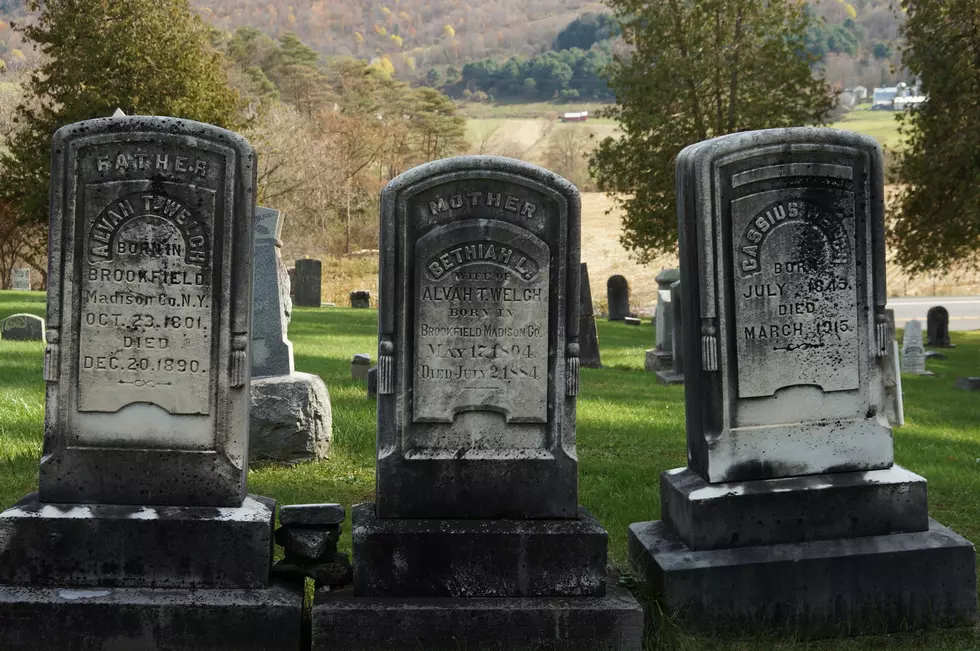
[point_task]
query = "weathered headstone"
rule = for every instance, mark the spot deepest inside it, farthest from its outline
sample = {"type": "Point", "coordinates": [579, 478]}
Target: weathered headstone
{"type": "Point", "coordinates": [309, 283]}
{"type": "Point", "coordinates": [22, 327]}
{"type": "Point", "coordinates": [272, 352]}
{"type": "Point", "coordinates": [937, 327]}
{"type": "Point", "coordinates": [588, 334]}
{"type": "Point", "coordinates": [20, 280]}
{"type": "Point", "coordinates": [360, 299]}
{"type": "Point", "coordinates": [478, 369]}
{"type": "Point", "coordinates": [618, 298]}
{"type": "Point", "coordinates": [790, 492]}
{"type": "Point", "coordinates": [675, 374]}
{"type": "Point", "coordinates": [913, 352]}
{"type": "Point", "coordinates": [661, 356]}
{"type": "Point", "coordinates": [892, 375]}
{"type": "Point", "coordinates": [146, 431]}
{"type": "Point", "coordinates": [360, 365]}
{"type": "Point", "coordinates": [968, 383]}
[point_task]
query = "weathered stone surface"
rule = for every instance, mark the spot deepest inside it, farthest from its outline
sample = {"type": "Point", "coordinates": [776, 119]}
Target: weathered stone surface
{"type": "Point", "coordinates": [360, 366]}
{"type": "Point", "coordinates": [618, 298]}
{"type": "Point", "coordinates": [308, 287]}
{"type": "Point", "coordinates": [360, 299]}
{"type": "Point", "coordinates": [22, 327]}
{"type": "Point", "coordinates": [664, 315]}
{"type": "Point", "coordinates": [784, 376]}
{"type": "Point", "coordinates": [147, 619]}
{"type": "Point", "coordinates": [937, 324]}
{"type": "Point", "coordinates": [309, 543]}
{"type": "Point", "coordinates": [792, 509]}
{"type": "Point", "coordinates": [968, 383]}
{"type": "Point", "coordinates": [149, 314]}
{"type": "Point", "coordinates": [676, 373]}
{"type": "Point", "coordinates": [290, 419]}
{"type": "Point", "coordinates": [585, 306]}
{"type": "Point", "coordinates": [588, 333]}
{"type": "Point", "coordinates": [98, 545]}
{"type": "Point", "coordinates": [372, 380]}
{"type": "Point", "coordinates": [311, 515]}
{"type": "Point", "coordinates": [479, 328]}
{"type": "Point", "coordinates": [272, 352]}
{"type": "Point", "coordinates": [871, 583]}
{"type": "Point", "coordinates": [477, 558]}
{"type": "Point", "coordinates": [20, 280]}
{"type": "Point", "coordinates": [657, 361]}
{"type": "Point", "coordinates": [337, 573]}
{"type": "Point", "coordinates": [613, 622]}
{"type": "Point", "coordinates": [913, 352]}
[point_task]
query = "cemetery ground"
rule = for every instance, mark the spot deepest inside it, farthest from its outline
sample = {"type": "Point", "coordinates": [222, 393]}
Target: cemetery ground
{"type": "Point", "coordinates": [630, 429]}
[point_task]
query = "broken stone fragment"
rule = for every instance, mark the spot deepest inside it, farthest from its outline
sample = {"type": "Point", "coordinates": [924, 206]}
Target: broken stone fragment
{"type": "Point", "coordinates": [335, 574]}
{"type": "Point", "coordinates": [313, 543]}
{"type": "Point", "coordinates": [311, 515]}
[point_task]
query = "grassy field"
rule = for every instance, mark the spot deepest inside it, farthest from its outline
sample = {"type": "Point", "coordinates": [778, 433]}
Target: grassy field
{"type": "Point", "coordinates": [629, 430]}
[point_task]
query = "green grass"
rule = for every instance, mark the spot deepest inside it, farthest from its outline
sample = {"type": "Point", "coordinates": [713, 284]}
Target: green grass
{"type": "Point", "coordinates": [630, 429]}
{"type": "Point", "coordinates": [880, 125]}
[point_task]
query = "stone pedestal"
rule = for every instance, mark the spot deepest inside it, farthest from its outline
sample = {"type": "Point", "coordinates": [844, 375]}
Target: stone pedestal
{"type": "Point", "coordinates": [290, 419]}
{"type": "Point", "coordinates": [658, 360]}
{"type": "Point", "coordinates": [822, 554]}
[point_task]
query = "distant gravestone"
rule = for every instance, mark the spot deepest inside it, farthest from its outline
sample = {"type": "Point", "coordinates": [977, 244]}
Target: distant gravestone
{"type": "Point", "coordinates": [143, 515]}
{"type": "Point", "coordinates": [661, 357]}
{"type": "Point", "coordinates": [292, 282]}
{"type": "Point", "coordinates": [372, 383]}
{"type": "Point", "coordinates": [895, 405]}
{"type": "Point", "coordinates": [22, 327]}
{"type": "Point", "coordinates": [20, 280]}
{"type": "Point", "coordinates": [478, 376]}
{"type": "Point", "coordinates": [675, 374]}
{"type": "Point", "coordinates": [968, 383]}
{"type": "Point", "coordinates": [360, 299]}
{"type": "Point", "coordinates": [309, 283]}
{"type": "Point", "coordinates": [791, 492]}
{"type": "Point", "coordinates": [618, 298]}
{"type": "Point", "coordinates": [588, 334]}
{"type": "Point", "coordinates": [633, 321]}
{"type": "Point", "coordinates": [272, 352]}
{"type": "Point", "coordinates": [913, 352]}
{"type": "Point", "coordinates": [937, 327]}
{"type": "Point", "coordinates": [360, 365]}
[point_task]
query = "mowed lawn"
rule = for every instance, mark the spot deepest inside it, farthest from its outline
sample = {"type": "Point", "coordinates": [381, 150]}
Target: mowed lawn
{"type": "Point", "coordinates": [630, 429]}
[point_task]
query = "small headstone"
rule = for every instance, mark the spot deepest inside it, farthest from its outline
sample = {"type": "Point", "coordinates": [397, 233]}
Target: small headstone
{"type": "Point", "coordinates": [913, 353]}
{"type": "Point", "coordinates": [20, 280]}
{"type": "Point", "coordinates": [664, 316]}
{"type": "Point", "coordinates": [937, 327]}
{"type": "Point", "coordinates": [272, 352]}
{"type": "Point", "coordinates": [588, 333]}
{"type": "Point", "coordinates": [360, 299]}
{"type": "Point", "coordinates": [675, 373]}
{"type": "Point", "coordinates": [309, 283]}
{"type": "Point", "coordinates": [22, 327]}
{"type": "Point", "coordinates": [618, 298]}
{"type": "Point", "coordinates": [633, 321]}
{"type": "Point", "coordinates": [892, 375]}
{"type": "Point", "coordinates": [372, 387]}
{"type": "Point", "coordinates": [968, 383]}
{"type": "Point", "coordinates": [360, 365]}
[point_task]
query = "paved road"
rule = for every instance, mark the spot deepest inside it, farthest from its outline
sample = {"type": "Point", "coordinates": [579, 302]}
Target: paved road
{"type": "Point", "coordinates": [964, 311]}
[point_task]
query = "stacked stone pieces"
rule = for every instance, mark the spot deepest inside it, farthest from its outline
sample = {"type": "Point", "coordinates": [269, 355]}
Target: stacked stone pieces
{"type": "Point", "coordinates": [309, 535]}
{"type": "Point", "coordinates": [791, 492]}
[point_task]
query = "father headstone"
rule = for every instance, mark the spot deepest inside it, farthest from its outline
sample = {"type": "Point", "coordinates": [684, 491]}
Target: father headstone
{"type": "Point", "coordinates": [20, 280]}
{"type": "Point", "coordinates": [675, 374]}
{"type": "Point", "coordinates": [913, 352]}
{"type": "Point", "coordinates": [289, 416]}
{"type": "Point", "coordinates": [360, 299]}
{"type": "Point", "coordinates": [309, 283]}
{"type": "Point", "coordinates": [22, 327]}
{"type": "Point", "coordinates": [478, 364]}
{"type": "Point", "coordinates": [661, 357]}
{"type": "Point", "coordinates": [791, 496]}
{"type": "Point", "coordinates": [937, 327]}
{"type": "Point", "coordinates": [587, 332]}
{"type": "Point", "coordinates": [618, 298]}
{"type": "Point", "coordinates": [143, 534]}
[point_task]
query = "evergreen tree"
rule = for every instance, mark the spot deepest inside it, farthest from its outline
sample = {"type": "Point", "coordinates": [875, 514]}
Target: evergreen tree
{"type": "Point", "coordinates": [147, 57]}
{"type": "Point", "coordinates": [698, 69]}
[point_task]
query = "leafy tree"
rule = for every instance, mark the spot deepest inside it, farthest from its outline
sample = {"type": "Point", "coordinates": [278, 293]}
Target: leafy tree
{"type": "Point", "coordinates": [147, 57]}
{"type": "Point", "coordinates": [585, 31]}
{"type": "Point", "coordinates": [937, 223]}
{"type": "Point", "coordinates": [698, 69]}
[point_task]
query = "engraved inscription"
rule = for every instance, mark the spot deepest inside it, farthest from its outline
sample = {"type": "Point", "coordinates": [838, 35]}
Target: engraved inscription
{"type": "Point", "coordinates": [795, 279]}
{"type": "Point", "coordinates": [481, 323]}
{"type": "Point", "coordinates": [145, 326]}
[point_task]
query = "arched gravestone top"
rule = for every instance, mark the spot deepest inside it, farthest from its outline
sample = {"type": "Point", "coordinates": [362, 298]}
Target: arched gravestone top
{"type": "Point", "coordinates": [149, 314]}
{"type": "Point", "coordinates": [618, 296]}
{"type": "Point", "coordinates": [478, 353]}
{"type": "Point", "coordinates": [22, 327]}
{"type": "Point", "coordinates": [783, 269]}
{"type": "Point", "coordinates": [937, 326]}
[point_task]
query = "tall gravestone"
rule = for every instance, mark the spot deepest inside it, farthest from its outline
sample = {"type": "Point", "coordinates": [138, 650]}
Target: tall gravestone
{"type": "Point", "coordinates": [20, 280]}
{"type": "Point", "coordinates": [913, 350]}
{"type": "Point", "coordinates": [588, 333]}
{"type": "Point", "coordinates": [290, 418]}
{"type": "Point", "coordinates": [661, 356]}
{"type": "Point", "coordinates": [937, 327]}
{"type": "Point", "coordinates": [618, 298]}
{"type": "Point", "coordinates": [142, 534]}
{"type": "Point", "coordinates": [892, 373]}
{"type": "Point", "coordinates": [675, 374]}
{"type": "Point", "coordinates": [309, 283]}
{"type": "Point", "coordinates": [478, 370]}
{"type": "Point", "coordinates": [791, 512]}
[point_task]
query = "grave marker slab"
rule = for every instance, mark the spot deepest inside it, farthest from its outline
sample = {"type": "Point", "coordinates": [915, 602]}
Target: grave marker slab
{"type": "Point", "coordinates": [913, 352]}
{"type": "Point", "coordinates": [272, 352]}
{"type": "Point", "coordinates": [22, 327]}
{"type": "Point", "coordinates": [20, 280]}
{"type": "Point", "coordinates": [588, 333]}
{"type": "Point", "coordinates": [675, 374]}
{"type": "Point", "coordinates": [360, 299]}
{"type": "Point", "coordinates": [309, 283]}
{"type": "Point", "coordinates": [618, 298]}
{"type": "Point", "coordinates": [937, 322]}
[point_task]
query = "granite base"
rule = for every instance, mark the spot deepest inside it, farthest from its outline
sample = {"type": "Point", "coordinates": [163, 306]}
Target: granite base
{"type": "Point", "coordinates": [148, 619]}
{"type": "Point", "coordinates": [613, 622]}
{"type": "Point", "coordinates": [828, 587]}
{"type": "Point", "coordinates": [669, 377]}
{"type": "Point", "coordinates": [658, 360]}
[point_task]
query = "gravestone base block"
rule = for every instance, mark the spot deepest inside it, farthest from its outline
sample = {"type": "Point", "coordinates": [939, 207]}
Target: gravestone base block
{"type": "Point", "coordinates": [146, 619]}
{"type": "Point", "coordinates": [827, 587]}
{"type": "Point", "coordinates": [477, 558]}
{"type": "Point", "coordinates": [669, 377]}
{"type": "Point", "coordinates": [290, 419]}
{"type": "Point", "coordinates": [613, 622]}
{"type": "Point", "coordinates": [658, 360]}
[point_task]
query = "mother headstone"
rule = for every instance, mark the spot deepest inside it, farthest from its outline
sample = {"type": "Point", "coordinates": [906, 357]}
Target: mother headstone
{"type": "Point", "coordinates": [478, 374]}
{"type": "Point", "coordinates": [937, 322]}
{"type": "Point", "coordinates": [618, 298]}
{"type": "Point", "coordinates": [791, 492]}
